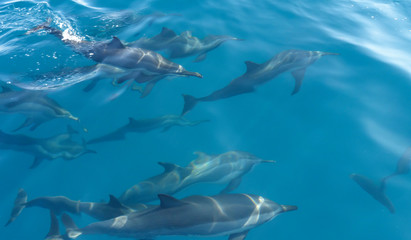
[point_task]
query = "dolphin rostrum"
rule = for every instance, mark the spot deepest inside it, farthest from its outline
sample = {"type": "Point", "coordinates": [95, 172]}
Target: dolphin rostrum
{"type": "Point", "coordinates": [183, 45]}
{"type": "Point", "coordinates": [377, 191]}
{"type": "Point", "coordinates": [145, 125]}
{"type": "Point", "coordinates": [227, 214]}
{"type": "Point", "coordinates": [58, 146]}
{"type": "Point", "coordinates": [295, 61]}
{"type": "Point", "coordinates": [60, 204]}
{"type": "Point", "coordinates": [145, 66]}
{"type": "Point", "coordinates": [225, 168]}
{"type": "Point", "coordinates": [35, 105]}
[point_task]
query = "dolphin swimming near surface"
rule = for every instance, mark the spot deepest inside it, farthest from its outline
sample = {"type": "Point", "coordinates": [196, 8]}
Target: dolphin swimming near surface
{"type": "Point", "coordinates": [377, 191]}
{"type": "Point", "coordinates": [227, 214]}
{"type": "Point", "coordinates": [228, 168]}
{"type": "Point", "coordinates": [147, 66]}
{"type": "Point", "coordinates": [183, 45]}
{"type": "Point", "coordinates": [295, 61]}
{"type": "Point", "coordinates": [145, 125]}
{"type": "Point", "coordinates": [58, 146]}
{"type": "Point", "coordinates": [60, 204]}
{"type": "Point", "coordinates": [35, 105]}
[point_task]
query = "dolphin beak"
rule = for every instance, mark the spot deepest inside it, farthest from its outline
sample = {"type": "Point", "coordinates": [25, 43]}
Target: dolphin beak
{"type": "Point", "coordinates": [287, 208]}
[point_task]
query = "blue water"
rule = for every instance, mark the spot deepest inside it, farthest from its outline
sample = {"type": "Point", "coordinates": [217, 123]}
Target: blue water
{"type": "Point", "coordinates": [352, 113]}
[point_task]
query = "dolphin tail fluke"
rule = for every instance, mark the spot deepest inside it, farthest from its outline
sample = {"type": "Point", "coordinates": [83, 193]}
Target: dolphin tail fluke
{"type": "Point", "coordinates": [19, 204]}
{"type": "Point", "coordinates": [189, 103]}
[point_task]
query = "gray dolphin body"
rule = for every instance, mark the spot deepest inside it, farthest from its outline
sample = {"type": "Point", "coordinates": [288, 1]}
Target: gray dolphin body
{"type": "Point", "coordinates": [146, 66]}
{"type": "Point", "coordinates": [61, 204]}
{"type": "Point", "coordinates": [377, 191]}
{"type": "Point", "coordinates": [224, 168]}
{"type": "Point", "coordinates": [58, 146]}
{"type": "Point", "coordinates": [295, 61]}
{"type": "Point", "coordinates": [183, 45]}
{"type": "Point", "coordinates": [145, 125]}
{"type": "Point", "coordinates": [35, 105]}
{"type": "Point", "coordinates": [227, 214]}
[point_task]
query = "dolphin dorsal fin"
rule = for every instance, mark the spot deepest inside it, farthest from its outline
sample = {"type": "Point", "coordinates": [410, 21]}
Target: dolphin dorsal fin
{"type": "Point", "coordinates": [168, 167]}
{"type": "Point", "coordinates": [201, 154]}
{"type": "Point", "coordinates": [167, 33]}
{"type": "Point", "coordinates": [114, 202]}
{"type": "Point", "coordinates": [131, 120]}
{"type": "Point", "coordinates": [115, 44]}
{"type": "Point", "coordinates": [251, 66]}
{"type": "Point", "coordinates": [167, 201]}
{"type": "Point", "coordinates": [54, 225]}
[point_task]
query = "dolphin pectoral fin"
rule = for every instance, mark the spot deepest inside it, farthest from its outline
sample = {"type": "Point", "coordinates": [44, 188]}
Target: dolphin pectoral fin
{"type": "Point", "coordinates": [298, 76]}
{"type": "Point", "coordinates": [238, 236]}
{"type": "Point", "coordinates": [232, 185]}
{"type": "Point", "coordinates": [54, 226]}
{"type": "Point", "coordinates": [143, 78]}
{"type": "Point", "coordinates": [90, 86]}
{"type": "Point", "coordinates": [200, 57]}
{"type": "Point", "coordinates": [19, 205]}
{"type": "Point", "coordinates": [36, 162]}
{"type": "Point", "coordinates": [29, 121]}
{"type": "Point", "coordinates": [147, 89]}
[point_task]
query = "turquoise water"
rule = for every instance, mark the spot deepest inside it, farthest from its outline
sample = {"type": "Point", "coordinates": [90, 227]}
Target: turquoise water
{"type": "Point", "coordinates": [350, 116]}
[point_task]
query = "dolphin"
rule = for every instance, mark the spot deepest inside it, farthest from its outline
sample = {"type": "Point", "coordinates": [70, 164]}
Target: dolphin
{"type": "Point", "coordinates": [227, 214]}
{"type": "Point", "coordinates": [54, 232]}
{"type": "Point", "coordinates": [228, 167]}
{"type": "Point", "coordinates": [147, 66]}
{"type": "Point", "coordinates": [145, 125]}
{"type": "Point", "coordinates": [377, 191]}
{"type": "Point", "coordinates": [183, 45]}
{"type": "Point", "coordinates": [224, 168]}
{"type": "Point", "coordinates": [60, 204]}
{"type": "Point", "coordinates": [168, 182]}
{"type": "Point", "coordinates": [295, 61]}
{"type": "Point", "coordinates": [35, 105]}
{"type": "Point", "coordinates": [58, 146]}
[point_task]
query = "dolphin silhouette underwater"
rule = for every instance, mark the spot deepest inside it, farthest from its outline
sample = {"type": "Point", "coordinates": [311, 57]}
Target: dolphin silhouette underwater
{"type": "Point", "coordinates": [58, 146]}
{"type": "Point", "coordinates": [183, 45]}
{"type": "Point", "coordinates": [145, 125]}
{"type": "Point", "coordinates": [35, 105]}
{"type": "Point", "coordinates": [256, 74]}
{"type": "Point", "coordinates": [145, 66]}
{"type": "Point", "coordinates": [224, 168]}
{"type": "Point", "coordinates": [377, 190]}
{"type": "Point", "coordinates": [60, 204]}
{"type": "Point", "coordinates": [227, 214]}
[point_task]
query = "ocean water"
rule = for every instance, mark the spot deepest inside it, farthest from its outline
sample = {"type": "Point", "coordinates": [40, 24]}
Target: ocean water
{"type": "Point", "coordinates": [352, 114]}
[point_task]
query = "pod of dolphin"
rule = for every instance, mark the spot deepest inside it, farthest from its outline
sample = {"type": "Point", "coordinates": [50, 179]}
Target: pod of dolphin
{"type": "Point", "coordinates": [132, 214]}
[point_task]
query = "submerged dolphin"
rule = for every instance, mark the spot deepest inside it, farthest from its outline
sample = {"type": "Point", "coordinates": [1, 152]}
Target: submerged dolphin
{"type": "Point", "coordinates": [145, 125]}
{"type": "Point", "coordinates": [61, 204]}
{"type": "Point", "coordinates": [295, 61]}
{"type": "Point", "coordinates": [147, 66]}
{"type": "Point", "coordinates": [224, 168]}
{"type": "Point", "coordinates": [58, 146]}
{"type": "Point", "coordinates": [183, 45]}
{"type": "Point", "coordinates": [377, 191]}
{"type": "Point", "coordinates": [228, 214]}
{"type": "Point", "coordinates": [35, 105]}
